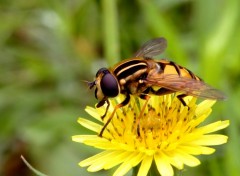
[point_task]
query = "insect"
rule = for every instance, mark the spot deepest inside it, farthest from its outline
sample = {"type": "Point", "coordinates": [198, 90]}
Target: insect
{"type": "Point", "coordinates": [142, 76]}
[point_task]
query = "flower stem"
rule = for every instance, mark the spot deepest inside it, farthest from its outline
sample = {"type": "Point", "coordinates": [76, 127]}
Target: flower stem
{"type": "Point", "coordinates": [110, 31]}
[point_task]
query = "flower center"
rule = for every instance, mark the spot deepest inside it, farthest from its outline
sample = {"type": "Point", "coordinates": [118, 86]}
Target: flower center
{"type": "Point", "coordinates": [162, 125]}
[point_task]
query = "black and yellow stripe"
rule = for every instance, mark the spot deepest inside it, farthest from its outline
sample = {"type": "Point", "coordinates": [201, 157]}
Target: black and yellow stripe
{"type": "Point", "coordinates": [170, 67]}
{"type": "Point", "coordinates": [129, 67]}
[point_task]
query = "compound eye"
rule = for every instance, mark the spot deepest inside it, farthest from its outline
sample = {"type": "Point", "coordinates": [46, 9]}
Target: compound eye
{"type": "Point", "coordinates": [109, 85]}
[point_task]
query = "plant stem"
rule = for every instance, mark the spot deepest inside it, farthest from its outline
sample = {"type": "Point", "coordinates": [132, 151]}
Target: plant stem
{"type": "Point", "coordinates": [110, 31]}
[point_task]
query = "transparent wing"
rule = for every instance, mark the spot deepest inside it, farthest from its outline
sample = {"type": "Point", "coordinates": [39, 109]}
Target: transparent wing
{"type": "Point", "coordinates": [152, 48]}
{"type": "Point", "coordinates": [186, 86]}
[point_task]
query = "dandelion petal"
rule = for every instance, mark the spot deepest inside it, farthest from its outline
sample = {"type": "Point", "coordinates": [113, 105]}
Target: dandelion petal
{"type": "Point", "coordinates": [212, 139]}
{"type": "Point", "coordinates": [89, 124]}
{"type": "Point", "coordinates": [187, 159]}
{"type": "Point", "coordinates": [126, 165]}
{"type": "Point", "coordinates": [163, 166]}
{"type": "Point", "coordinates": [145, 166]}
{"type": "Point", "coordinates": [117, 158]}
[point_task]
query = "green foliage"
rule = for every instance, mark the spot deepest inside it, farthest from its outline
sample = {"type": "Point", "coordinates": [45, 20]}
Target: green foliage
{"type": "Point", "coordinates": [49, 47]}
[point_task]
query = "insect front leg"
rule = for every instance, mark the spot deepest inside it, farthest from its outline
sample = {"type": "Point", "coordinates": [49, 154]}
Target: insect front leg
{"type": "Point", "coordinates": [101, 103]}
{"type": "Point", "coordinates": [125, 102]}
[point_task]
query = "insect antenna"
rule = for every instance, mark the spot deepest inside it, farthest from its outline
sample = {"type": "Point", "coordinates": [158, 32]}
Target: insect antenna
{"type": "Point", "coordinates": [90, 84]}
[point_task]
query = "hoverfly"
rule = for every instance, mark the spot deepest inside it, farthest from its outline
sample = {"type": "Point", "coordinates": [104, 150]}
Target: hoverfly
{"type": "Point", "coordinates": [141, 75]}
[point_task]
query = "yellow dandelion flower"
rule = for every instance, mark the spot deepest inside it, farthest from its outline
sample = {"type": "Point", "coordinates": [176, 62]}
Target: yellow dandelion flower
{"type": "Point", "coordinates": [166, 133]}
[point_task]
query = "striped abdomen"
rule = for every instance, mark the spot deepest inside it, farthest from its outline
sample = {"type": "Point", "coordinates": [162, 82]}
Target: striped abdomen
{"type": "Point", "coordinates": [169, 67]}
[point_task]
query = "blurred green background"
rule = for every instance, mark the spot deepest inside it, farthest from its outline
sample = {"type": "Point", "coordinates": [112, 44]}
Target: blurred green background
{"type": "Point", "coordinates": [48, 48]}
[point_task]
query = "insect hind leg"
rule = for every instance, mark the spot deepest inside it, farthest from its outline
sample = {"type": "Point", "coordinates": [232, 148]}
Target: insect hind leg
{"type": "Point", "coordinates": [164, 91]}
{"type": "Point", "coordinates": [180, 97]}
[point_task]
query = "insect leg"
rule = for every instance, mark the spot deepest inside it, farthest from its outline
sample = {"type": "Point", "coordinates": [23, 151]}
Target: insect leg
{"type": "Point", "coordinates": [125, 101]}
{"type": "Point", "coordinates": [164, 91]}
{"type": "Point", "coordinates": [180, 97]}
{"type": "Point", "coordinates": [108, 104]}
{"type": "Point", "coordinates": [145, 97]}
{"type": "Point", "coordinates": [101, 103]}
{"type": "Point", "coordinates": [161, 91]}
